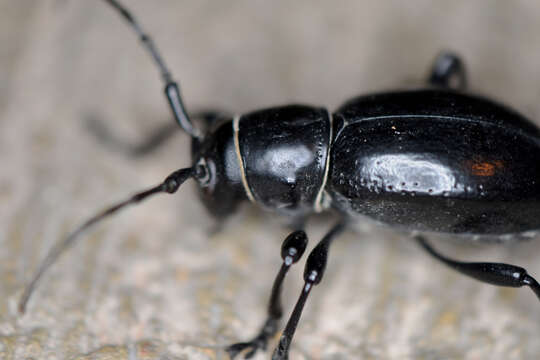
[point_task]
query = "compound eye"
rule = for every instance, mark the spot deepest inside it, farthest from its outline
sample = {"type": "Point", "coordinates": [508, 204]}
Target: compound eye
{"type": "Point", "coordinates": [203, 172]}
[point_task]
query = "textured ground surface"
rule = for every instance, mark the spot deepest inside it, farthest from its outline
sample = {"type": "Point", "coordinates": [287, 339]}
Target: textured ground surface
{"type": "Point", "coordinates": [156, 282]}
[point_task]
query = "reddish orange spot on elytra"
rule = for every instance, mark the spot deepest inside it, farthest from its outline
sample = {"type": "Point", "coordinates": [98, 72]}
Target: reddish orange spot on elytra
{"type": "Point", "coordinates": [485, 168]}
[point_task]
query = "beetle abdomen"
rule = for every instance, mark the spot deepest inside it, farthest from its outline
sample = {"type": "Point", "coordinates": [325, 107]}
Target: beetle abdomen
{"type": "Point", "coordinates": [447, 173]}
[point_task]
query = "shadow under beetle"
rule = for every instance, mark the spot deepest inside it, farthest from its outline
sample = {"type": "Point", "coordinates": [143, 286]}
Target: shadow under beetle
{"type": "Point", "coordinates": [430, 160]}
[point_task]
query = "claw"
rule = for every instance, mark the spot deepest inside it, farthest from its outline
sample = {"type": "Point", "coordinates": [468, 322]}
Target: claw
{"type": "Point", "coordinates": [254, 345]}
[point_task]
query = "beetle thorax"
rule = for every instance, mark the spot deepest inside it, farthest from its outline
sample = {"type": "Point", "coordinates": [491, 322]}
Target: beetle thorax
{"type": "Point", "coordinates": [283, 154]}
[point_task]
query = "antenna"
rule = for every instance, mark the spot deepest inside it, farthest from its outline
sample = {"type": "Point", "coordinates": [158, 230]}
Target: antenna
{"type": "Point", "coordinates": [171, 90]}
{"type": "Point", "coordinates": [170, 185]}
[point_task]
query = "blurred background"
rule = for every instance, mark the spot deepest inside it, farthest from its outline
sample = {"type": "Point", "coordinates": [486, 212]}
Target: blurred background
{"type": "Point", "coordinates": [161, 280]}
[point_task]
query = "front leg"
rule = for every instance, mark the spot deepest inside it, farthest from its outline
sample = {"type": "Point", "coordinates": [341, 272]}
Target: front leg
{"type": "Point", "coordinates": [291, 250]}
{"type": "Point", "coordinates": [313, 274]}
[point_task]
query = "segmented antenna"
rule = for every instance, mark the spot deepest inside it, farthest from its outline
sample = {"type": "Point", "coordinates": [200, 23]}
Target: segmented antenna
{"type": "Point", "coordinates": [171, 90]}
{"type": "Point", "coordinates": [170, 185]}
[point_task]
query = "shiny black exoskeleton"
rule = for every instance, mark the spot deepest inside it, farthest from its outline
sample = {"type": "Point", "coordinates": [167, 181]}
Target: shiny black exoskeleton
{"type": "Point", "coordinates": [429, 160]}
{"type": "Point", "coordinates": [436, 160]}
{"type": "Point", "coordinates": [277, 158]}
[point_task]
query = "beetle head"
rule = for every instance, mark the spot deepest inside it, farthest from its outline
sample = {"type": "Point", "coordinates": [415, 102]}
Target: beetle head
{"type": "Point", "coordinates": [218, 172]}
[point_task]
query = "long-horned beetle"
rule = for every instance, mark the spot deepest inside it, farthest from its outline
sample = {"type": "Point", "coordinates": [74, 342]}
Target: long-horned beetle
{"type": "Point", "coordinates": [430, 160]}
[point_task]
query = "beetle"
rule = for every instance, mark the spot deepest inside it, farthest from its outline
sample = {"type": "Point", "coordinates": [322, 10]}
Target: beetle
{"type": "Point", "coordinates": [374, 134]}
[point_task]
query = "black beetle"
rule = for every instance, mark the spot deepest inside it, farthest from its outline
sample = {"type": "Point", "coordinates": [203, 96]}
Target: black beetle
{"type": "Point", "coordinates": [427, 160]}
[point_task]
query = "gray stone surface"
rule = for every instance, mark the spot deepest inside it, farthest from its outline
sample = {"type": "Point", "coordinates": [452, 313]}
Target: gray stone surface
{"type": "Point", "coordinates": [156, 281]}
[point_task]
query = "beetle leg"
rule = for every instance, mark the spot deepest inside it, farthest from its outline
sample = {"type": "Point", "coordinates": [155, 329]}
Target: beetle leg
{"type": "Point", "coordinates": [291, 250]}
{"type": "Point", "coordinates": [448, 71]}
{"type": "Point", "coordinates": [159, 136]}
{"type": "Point", "coordinates": [313, 273]}
{"type": "Point", "coordinates": [492, 273]}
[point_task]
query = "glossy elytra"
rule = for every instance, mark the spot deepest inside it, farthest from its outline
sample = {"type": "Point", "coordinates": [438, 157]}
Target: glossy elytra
{"type": "Point", "coordinates": [435, 159]}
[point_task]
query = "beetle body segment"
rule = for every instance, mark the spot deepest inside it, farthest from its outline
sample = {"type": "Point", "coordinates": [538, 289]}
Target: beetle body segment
{"type": "Point", "coordinates": [436, 160]}
{"type": "Point", "coordinates": [276, 157]}
{"type": "Point", "coordinates": [284, 152]}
